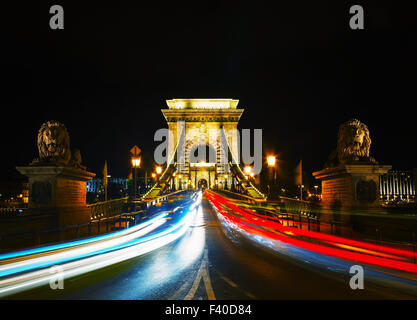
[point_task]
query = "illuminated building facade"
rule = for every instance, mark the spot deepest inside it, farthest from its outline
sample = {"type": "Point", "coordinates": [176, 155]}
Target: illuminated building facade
{"type": "Point", "coordinates": [97, 185]}
{"type": "Point", "coordinates": [397, 185]}
{"type": "Point", "coordinates": [201, 120]}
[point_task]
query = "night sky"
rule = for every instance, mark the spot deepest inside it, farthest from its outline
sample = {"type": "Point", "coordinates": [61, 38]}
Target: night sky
{"type": "Point", "coordinates": [297, 68]}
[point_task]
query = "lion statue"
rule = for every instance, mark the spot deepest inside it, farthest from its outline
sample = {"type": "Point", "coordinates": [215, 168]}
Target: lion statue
{"type": "Point", "coordinates": [353, 144]}
{"type": "Point", "coordinates": [54, 146]}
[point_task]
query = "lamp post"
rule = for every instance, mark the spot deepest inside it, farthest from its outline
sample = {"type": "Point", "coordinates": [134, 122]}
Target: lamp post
{"type": "Point", "coordinates": [135, 165]}
{"type": "Point", "coordinates": [136, 159]}
{"type": "Point", "coordinates": [158, 171]}
{"type": "Point", "coordinates": [247, 170]}
{"type": "Point", "coordinates": [173, 181]}
{"type": "Point", "coordinates": [272, 164]}
{"type": "Point", "coordinates": [272, 160]}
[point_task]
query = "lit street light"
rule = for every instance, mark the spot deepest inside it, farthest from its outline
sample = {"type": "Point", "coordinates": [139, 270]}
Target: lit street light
{"type": "Point", "coordinates": [225, 181]}
{"type": "Point", "coordinates": [135, 165]}
{"type": "Point", "coordinates": [271, 161]}
{"type": "Point", "coordinates": [135, 162]}
{"type": "Point", "coordinates": [272, 164]}
{"type": "Point", "coordinates": [173, 187]}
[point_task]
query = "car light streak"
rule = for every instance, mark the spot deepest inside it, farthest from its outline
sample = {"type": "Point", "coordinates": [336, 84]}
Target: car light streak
{"type": "Point", "coordinates": [277, 225]}
{"type": "Point", "coordinates": [332, 245]}
{"type": "Point", "coordinates": [78, 242]}
{"type": "Point", "coordinates": [117, 251]}
{"type": "Point", "coordinates": [76, 253]}
{"type": "Point", "coordinates": [322, 236]}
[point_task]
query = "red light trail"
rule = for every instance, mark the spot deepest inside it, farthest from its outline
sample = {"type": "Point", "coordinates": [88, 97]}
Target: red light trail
{"type": "Point", "coordinates": [335, 246]}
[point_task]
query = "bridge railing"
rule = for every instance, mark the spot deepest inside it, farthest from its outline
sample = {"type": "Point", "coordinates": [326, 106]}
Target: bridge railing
{"type": "Point", "coordinates": [374, 233]}
{"type": "Point", "coordinates": [154, 201]}
{"type": "Point", "coordinates": [295, 206]}
{"type": "Point", "coordinates": [106, 217]}
{"type": "Point", "coordinates": [107, 208]}
{"type": "Point", "coordinates": [94, 227]}
{"type": "Point", "coordinates": [12, 211]}
{"type": "Point", "coordinates": [286, 205]}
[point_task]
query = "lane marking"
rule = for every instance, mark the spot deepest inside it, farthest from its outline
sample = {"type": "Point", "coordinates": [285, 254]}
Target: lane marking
{"type": "Point", "coordinates": [230, 282]}
{"type": "Point", "coordinates": [250, 295]}
{"type": "Point", "coordinates": [179, 290]}
{"type": "Point", "coordinates": [202, 274]}
{"type": "Point", "coordinates": [234, 285]}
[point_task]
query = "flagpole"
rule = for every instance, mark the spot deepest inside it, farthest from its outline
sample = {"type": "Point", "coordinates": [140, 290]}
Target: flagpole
{"type": "Point", "coordinates": [301, 179]}
{"type": "Point", "coordinates": [105, 180]}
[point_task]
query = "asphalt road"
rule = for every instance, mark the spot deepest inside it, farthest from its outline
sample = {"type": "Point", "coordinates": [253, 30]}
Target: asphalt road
{"type": "Point", "coordinates": [209, 262]}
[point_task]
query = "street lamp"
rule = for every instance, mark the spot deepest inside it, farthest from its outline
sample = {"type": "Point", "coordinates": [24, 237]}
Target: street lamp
{"type": "Point", "coordinates": [272, 161]}
{"type": "Point", "coordinates": [135, 165]}
{"type": "Point", "coordinates": [158, 170]}
{"type": "Point", "coordinates": [173, 181]}
{"type": "Point", "coordinates": [135, 162]}
{"type": "Point", "coordinates": [225, 181]}
{"type": "Point", "coordinates": [301, 191]}
{"type": "Point", "coordinates": [272, 164]}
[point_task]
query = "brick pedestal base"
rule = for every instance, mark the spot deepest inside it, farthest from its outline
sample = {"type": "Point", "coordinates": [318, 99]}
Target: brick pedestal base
{"type": "Point", "coordinates": [59, 191]}
{"type": "Point", "coordinates": [351, 186]}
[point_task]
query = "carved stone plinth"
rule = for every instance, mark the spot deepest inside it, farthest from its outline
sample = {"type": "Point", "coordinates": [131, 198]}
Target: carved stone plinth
{"type": "Point", "coordinates": [60, 191]}
{"type": "Point", "coordinates": [351, 186]}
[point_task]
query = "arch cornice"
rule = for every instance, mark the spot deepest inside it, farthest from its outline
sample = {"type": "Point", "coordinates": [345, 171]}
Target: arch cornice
{"type": "Point", "coordinates": [202, 115]}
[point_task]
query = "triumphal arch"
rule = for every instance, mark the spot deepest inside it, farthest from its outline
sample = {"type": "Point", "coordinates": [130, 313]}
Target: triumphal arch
{"type": "Point", "coordinates": [203, 148]}
{"type": "Point", "coordinates": [202, 159]}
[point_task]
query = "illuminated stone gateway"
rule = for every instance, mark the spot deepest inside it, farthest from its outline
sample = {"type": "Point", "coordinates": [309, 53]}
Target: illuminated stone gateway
{"type": "Point", "coordinates": [197, 152]}
{"type": "Point", "coordinates": [202, 120]}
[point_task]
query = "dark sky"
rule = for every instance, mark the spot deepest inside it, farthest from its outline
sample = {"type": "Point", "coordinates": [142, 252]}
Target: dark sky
{"type": "Point", "coordinates": [296, 67]}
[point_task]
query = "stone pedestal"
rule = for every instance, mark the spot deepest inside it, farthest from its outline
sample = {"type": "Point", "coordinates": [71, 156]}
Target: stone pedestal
{"type": "Point", "coordinates": [60, 191]}
{"type": "Point", "coordinates": [351, 186]}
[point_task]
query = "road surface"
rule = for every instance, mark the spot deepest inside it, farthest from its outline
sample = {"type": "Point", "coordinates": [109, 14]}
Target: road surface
{"type": "Point", "coordinates": [210, 262]}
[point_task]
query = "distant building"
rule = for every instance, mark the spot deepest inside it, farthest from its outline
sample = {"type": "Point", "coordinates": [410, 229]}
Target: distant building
{"type": "Point", "coordinates": [25, 192]}
{"type": "Point", "coordinates": [14, 193]}
{"type": "Point", "coordinates": [397, 185]}
{"type": "Point", "coordinates": [96, 185]}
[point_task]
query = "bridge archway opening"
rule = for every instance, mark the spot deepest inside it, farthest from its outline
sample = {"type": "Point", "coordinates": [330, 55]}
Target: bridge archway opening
{"type": "Point", "coordinates": [202, 184]}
